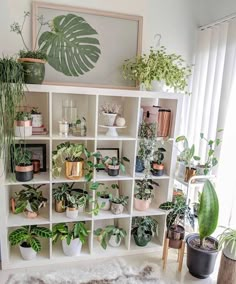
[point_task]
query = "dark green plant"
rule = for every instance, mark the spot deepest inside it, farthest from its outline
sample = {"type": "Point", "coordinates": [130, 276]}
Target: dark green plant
{"type": "Point", "coordinates": [144, 227]}
{"type": "Point", "coordinates": [177, 212]}
{"type": "Point", "coordinates": [28, 235]}
{"type": "Point", "coordinates": [29, 198]}
{"type": "Point", "coordinates": [158, 155]}
{"type": "Point", "coordinates": [122, 199]}
{"type": "Point", "coordinates": [23, 116]}
{"type": "Point", "coordinates": [34, 52]}
{"type": "Point", "coordinates": [22, 156]}
{"type": "Point", "coordinates": [208, 212]}
{"type": "Point", "coordinates": [59, 193]}
{"type": "Point", "coordinates": [147, 130]}
{"type": "Point", "coordinates": [104, 234]}
{"type": "Point", "coordinates": [158, 65]}
{"type": "Point", "coordinates": [63, 232]}
{"type": "Point", "coordinates": [113, 161]}
{"type": "Point", "coordinates": [82, 47]}
{"type": "Point", "coordinates": [144, 189]}
{"type": "Point", "coordinates": [12, 93]}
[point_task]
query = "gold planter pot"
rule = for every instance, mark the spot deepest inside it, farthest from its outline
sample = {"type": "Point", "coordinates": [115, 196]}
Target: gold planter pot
{"type": "Point", "coordinates": [60, 206]}
{"type": "Point", "coordinates": [74, 170]}
{"type": "Point", "coordinates": [189, 172]}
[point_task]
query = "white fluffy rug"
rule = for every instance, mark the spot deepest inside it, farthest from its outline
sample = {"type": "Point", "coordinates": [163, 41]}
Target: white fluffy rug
{"type": "Point", "coordinates": [113, 272]}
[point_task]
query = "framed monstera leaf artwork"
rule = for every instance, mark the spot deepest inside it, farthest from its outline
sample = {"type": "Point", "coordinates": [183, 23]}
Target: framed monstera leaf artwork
{"type": "Point", "coordinates": [86, 47]}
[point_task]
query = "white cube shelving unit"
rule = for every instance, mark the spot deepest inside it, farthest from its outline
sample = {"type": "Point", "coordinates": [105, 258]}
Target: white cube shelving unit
{"type": "Point", "coordinates": [49, 99]}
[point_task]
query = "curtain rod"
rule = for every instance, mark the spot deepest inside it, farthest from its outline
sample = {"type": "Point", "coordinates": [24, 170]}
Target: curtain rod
{"type": "Point", "coordinates": [217, 22]}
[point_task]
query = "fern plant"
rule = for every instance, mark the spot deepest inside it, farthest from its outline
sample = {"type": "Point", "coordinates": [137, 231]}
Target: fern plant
{"type": "Point", "coordinates": [27, 236]}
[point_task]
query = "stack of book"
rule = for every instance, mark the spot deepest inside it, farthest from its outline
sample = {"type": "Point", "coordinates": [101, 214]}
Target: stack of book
{"type": "Point", "coordinates": [39, 130]}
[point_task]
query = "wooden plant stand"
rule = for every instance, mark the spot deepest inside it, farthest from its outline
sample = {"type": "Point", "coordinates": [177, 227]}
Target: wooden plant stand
{"type": "Point", "coordinates": [180, 254]}
{"type": "Point", "coordinates": [227, 271]}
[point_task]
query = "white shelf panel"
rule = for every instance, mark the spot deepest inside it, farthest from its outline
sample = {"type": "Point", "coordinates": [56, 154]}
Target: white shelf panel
{"type": "Point", "coordinates": [142, 175]}
{"type": "Point", "coordinates": [34, 137]}
{"type": "Point", "coordinates": [61, 217]}
{"type": "Point", "coordinates": [65, 180]}
{"type": "Point", "coordinates": [98, 250]}
{"type": "Point", "coordinates": [42, 177]}
{"type": "Point", "coordinates": [15, 220]}
{"type": "Point", "coordinates": [103, 214]}
{"type": "Point", "coordinates": [151, 245]}
{"type": "Point", "coordinates": [57, 252]}
{"type": "Point", "coordinates": [70, 137]}
{"type": "Point", "coordinates": [103, 176]}
{"type": "Point", "coordinates": [152, 210]}
{"type": "Point", "coordinates": [120, 137]}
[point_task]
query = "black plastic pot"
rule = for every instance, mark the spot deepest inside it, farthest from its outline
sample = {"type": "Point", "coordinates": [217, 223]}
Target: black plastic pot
{"type": "Point", "coordinates": [113, 172]}
{"type": "Point", "coordinates": [24, 173]}
{"type": "Point", "coordinates": [139, 165]}
{"type": "Point", "coordinates": [200, 262]}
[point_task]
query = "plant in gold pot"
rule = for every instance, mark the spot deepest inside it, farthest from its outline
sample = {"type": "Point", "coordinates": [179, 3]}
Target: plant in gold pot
{"type": "Point", "coordinates": [34, 60]}
{"type": "Point", "coordinates": [59, 195]}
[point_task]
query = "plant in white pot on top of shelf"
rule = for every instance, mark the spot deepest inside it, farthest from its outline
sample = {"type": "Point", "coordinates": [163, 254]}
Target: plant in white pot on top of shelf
{"type": "Point", "coordinates": [111, 234]}
{"type": "Point", "coordinates": [37, 118]}
{"type": "Point", "coordinates": [23, 124]}
{"type": "Point", "coordinates": [158, 66]}
{"type": "Point", "coordinates": [73, 236]}
{"type": "Point", "coordinates": [27, 239]}
{"type": "Point", "coordinates": [22, 163]}
{"type": "Point", "coordinates": [144, 194]}
{"type": "Point", "coordinates": [109, 112]}
{"type": "Point", "coordinates": [29, 201]}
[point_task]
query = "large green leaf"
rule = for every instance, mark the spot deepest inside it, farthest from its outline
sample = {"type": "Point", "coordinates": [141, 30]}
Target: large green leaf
{"type": "Point", "coordinates": [70, 45]}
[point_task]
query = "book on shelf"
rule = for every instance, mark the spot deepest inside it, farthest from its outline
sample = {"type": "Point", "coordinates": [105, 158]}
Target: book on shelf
{"type": "Point", "coordinates": [39, 130]}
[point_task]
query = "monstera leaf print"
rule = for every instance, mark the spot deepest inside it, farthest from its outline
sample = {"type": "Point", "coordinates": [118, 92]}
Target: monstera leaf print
{"type": "Point", "coordinates": [70, 45]}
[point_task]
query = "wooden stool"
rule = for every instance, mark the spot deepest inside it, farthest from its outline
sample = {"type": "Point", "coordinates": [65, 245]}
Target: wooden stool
{"type": "Point", "coordinates": [180, 254]}
{"type": "Point", "coordinates": [227, 271]}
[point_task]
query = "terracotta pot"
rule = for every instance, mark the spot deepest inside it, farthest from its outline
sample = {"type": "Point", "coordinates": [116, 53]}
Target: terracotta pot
{"type": "Point", "coordinates": [36, 165]}
{"type": "Point", "coordinates": [141, 205]}
{"type": "Point", "coordinates": [74, 170]}
{"type": "Point", "coordinates": [189, 172]}
{"type": "Point", "coordinates": [60, 206]}
{"type": "Point", "coordinates": [157, 170]}
{"type": "Point", "coordinates": [30, 214]}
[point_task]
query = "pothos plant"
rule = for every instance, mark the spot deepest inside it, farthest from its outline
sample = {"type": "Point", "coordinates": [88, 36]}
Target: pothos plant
{"type": "Point", "coordinates": [160, 66]}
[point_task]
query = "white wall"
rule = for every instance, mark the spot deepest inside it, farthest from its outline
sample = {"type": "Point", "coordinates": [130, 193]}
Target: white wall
{"type": "Point", "coordinates": [174, 19]}
{"type": "Point", "coordinates": [212, 10]}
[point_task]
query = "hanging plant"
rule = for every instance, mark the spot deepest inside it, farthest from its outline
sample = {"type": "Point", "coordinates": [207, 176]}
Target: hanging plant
{"type": "Point", "coordinates": [69, 45]}
{"type": "Point", "coordinates": [11, 94]}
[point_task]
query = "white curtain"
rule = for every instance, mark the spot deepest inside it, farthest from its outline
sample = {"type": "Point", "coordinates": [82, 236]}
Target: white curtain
{"type": "Point", "coordinates": [213, 105]}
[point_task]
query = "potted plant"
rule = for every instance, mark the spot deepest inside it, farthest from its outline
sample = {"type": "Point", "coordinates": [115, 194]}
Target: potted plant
{"type": "Point", "coordinates": [157, 165]}
{"type": "Point", "coordinates": [72, 237]}
{"type": "Point", "coordinates": [110, 234]}
{"type": "Point", "coordinates": [33, 61]}
{"type": "Point", "coordinates": [211, 161]}
{"type": "Point", "coordinates": [159, 66]}
{"type": "Point", "coordinates": [12, 93]}
{"type": "Point", "coordinates": [23, 164]}
{"type": "Point", "coordinates": [113, 165]}
{"type": "Point", "coordinates": [118, 204]}
{"type": "Point", "coordinates": [23, 124]}
{"type": "Point", "coordinates": [59, 195]}
{"type": "Point", "coordinates": [76, 160]}
{"type": "Point", "coordinates": [29, 200]}
{"type": "Point", "coordinates": [187, 155]}
{"type": "Point", "coordinates": [75, 203]}
{"type": "Point", "coordinates": [37, 118]}
{"type": "Point", "coordinates": [178, 210]}
{"type": "Point", "coordinates": [202, 249]}
{"type": "Point", "coordinates": [109, 112]}
{"type": "Point", "coordinates": [143, 229]}
{"type": "Point", "coordinates": [143, 195]}
{"type": "Point", "coordinates": [227, 241]}
{"type": "Point", "coordinates": [27, 239]}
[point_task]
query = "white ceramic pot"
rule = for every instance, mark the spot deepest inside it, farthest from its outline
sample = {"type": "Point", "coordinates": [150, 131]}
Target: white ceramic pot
{"type": "Point", "coordinates": [23, 131]}
{"type": "Point", "coordinates": [105, 201]}
{"type": "Point", "coordinates": [73, 249]}
{"type": "Point", "coordinates": [109, 118]}
{"type": "Point", "coordinates": [72, 213]}
{"type": "Point", "coordinates": [117, 208]}
{"type": "Point", "coordinates": [180, 169]}
{"type": "Point", "coordinates": [157, 86]}
{"type": "Point", "coordinates": [37, 120]}
{"type": "Point", "coordinates": [227, 251]}
{"type": "Point", "coordinates": [81, 209]}
{"type": "Point", "coordinates": [112, 241]}
{"type": "Point", "coordinates": [27, 253]}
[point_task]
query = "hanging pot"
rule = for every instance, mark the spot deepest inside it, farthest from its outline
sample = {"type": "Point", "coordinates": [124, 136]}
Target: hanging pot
{"type": "Point", "coordinates": [142, 205]}
{"type": "Point", "coordinates": [74, 170]}
{"type": "Point", "coordinates": [27, 252]}
{"type": "Point", "coordinates": [73, 249]}
{"type": "Point", "coordinates": [34, 70]}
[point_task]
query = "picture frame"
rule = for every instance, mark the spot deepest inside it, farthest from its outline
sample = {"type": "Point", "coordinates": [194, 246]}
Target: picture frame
{"type": "Point", "coordinates": [110, 26]}
{"type": "Point", "coordinates": [38, 152]}
{"type": "Point", "coordinates": [111, 152]}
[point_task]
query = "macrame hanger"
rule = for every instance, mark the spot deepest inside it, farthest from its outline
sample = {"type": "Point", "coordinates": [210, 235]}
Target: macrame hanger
{"type": "Point", "coordinates": [157, 39]}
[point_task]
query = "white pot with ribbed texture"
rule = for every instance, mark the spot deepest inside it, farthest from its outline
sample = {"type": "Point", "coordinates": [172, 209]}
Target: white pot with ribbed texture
{"type": "Point", "coordinates": [73, 249]}
{"type": "Point", "coordinates": [228, 252]}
